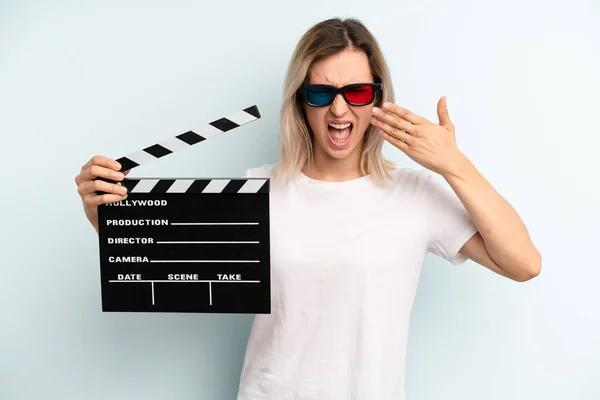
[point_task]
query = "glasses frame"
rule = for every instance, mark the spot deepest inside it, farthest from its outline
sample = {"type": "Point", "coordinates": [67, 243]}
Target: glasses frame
{"type": "Point", "coordinates": [342, 90]}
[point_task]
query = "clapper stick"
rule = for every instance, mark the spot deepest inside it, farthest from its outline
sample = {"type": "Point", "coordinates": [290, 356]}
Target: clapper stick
{"type": "Point", "coordinates": [187, 245]}
{"type": "Point", "coordinates": [187, 139]}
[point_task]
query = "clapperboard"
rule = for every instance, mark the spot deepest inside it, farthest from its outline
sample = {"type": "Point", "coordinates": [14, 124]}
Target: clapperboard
{"type": "Point", "coordinates": [187, 245]}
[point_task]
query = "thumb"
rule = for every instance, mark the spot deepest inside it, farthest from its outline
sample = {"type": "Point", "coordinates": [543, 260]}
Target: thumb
{"type": "Point", "coordinates": [442, 111]}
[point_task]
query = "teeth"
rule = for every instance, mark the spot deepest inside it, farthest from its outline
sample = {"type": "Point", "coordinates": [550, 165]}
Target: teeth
{"type": "Point", "coordinates": [340, 126]}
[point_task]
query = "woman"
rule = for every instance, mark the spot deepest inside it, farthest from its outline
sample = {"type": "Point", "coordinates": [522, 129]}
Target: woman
{"type": "Point", "coordinates": [348, 230]}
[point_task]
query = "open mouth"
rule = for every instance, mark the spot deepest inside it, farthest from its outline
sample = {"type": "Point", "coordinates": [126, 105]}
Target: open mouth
{"type": "Point", "coordinates": [339, 134]}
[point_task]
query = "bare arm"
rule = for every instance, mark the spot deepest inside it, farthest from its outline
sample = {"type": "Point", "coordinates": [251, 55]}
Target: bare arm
{"type": "Point", "coordinates": [502, 244]}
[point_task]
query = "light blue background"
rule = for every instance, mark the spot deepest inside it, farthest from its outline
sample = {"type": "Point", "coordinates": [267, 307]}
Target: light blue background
{"type": "Point", "coordinates": [79, 78]}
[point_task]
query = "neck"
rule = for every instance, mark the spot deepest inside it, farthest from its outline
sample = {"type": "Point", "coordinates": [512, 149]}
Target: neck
{"type": "Point", "coordinates": [330, 169]}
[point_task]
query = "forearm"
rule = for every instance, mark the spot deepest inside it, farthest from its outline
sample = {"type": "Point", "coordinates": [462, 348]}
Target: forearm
{"type": "Point", "coordinates": [506, 238]}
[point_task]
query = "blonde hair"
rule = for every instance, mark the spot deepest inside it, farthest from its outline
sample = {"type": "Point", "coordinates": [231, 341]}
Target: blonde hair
{"type": "Point", "coordinates": [325, 39]}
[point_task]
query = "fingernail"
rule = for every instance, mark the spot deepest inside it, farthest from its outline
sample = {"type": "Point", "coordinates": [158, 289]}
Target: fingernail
{"type": "Point", "coordinates": [375, 110]}
{"type": "Point", "coordinates": [117, 165]}
{"type": "Point", "coordinates": [120, 175]}
{"type": "Point", "coordinates": [373, 120]}
{"type": "Point", "coordinates": [123, 189]}
{"type": "Point", "coordinates": [386, 105]}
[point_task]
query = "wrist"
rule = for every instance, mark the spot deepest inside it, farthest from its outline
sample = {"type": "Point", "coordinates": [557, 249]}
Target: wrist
{"type": "Point", "coordinates": [459, 167]}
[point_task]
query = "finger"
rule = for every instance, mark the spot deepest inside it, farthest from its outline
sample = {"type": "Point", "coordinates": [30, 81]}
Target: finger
{"type": "Point", "coordinates": [403, 113]}
{"type": "Point", "coordinates": [443, 115]}
{"type": "Point", "coordinates": [394, 132]}
{"type": "Point", "coordinates": [96, 171]}
{"type": "Point", "coordinates": [103, 162]}
{"type": "Point", "coordinates": [126, 172]}
{"type": "Point", "coordinates": [93, 200]}
{"type": "Point", "coordinates": [394, 120]}
{"type": "Point", "coordinates": [395, 142]}
{"type": "Point", "coordinates": [89, 187]}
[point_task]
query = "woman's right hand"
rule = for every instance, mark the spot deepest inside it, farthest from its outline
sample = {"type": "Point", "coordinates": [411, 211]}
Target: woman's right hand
{"type": "Point", "coordinates": [99, 167]}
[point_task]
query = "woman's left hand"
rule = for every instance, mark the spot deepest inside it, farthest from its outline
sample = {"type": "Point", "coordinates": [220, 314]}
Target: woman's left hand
{"type": "Point", "coordinates": [431, 145]}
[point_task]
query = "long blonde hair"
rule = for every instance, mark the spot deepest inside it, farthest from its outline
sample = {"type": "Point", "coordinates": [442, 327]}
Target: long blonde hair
{"type": "Point", "coordinates": [325, 39]}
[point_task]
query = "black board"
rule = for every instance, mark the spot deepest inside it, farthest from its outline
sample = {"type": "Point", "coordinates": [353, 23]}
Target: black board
{"type": "Point", "coordinates": [187, 245]}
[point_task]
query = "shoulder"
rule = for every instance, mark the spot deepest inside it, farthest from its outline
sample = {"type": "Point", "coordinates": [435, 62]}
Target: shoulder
{"type": "Point", "coordinates": [430, 188]}
{"type": "Point", "coordinates": [264, 171]}
{"type": "Point", "coordinates": [410, 178]}
{"type": "Point", "coordinates": [427, 186]}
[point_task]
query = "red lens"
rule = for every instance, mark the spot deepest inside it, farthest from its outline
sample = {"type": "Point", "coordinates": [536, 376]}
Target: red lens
{"type": "Point", "coordinates": [360, 94]}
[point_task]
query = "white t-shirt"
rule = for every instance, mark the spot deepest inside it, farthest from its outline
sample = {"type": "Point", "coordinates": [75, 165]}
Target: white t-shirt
{"type": "Point", "coordinates": [345, 263]}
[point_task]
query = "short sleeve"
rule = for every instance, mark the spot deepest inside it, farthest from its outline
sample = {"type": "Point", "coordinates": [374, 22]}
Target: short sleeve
{"type": "Point", "coordinates": [449, 224]}
{"type": "Point", "coordinates": [264, 171]}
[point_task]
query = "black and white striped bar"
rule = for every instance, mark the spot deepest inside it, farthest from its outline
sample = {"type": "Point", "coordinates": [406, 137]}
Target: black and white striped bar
{"type": "Point", "coordinates": [196, 185]}
{"type": "Point", "coordinates": [189, 138]}
{"type": "Point", "coordinates": [187, 245]}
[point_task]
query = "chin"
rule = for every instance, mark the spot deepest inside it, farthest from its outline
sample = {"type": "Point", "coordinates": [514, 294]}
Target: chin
{"type": "Point", "coordinates": [339, 155]}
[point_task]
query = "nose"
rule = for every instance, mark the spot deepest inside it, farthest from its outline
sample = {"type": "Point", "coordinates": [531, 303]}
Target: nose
{"type": "Point", "coordinates": [339, 105]}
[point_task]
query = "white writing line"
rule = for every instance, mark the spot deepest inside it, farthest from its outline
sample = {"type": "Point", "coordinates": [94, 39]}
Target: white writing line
{"type": "Point", "coordinates": [204, 261]}
{"type": "Point", "coordinates": [214, 223]}
{"type": "Point", "coordinates": [174, 281]}
{"type": "Point", "coordinates": [207, 242]}
{"type": "Point", "coordinates": [210, 292]}
{"type": "Point", "coordinates": [152, 293]}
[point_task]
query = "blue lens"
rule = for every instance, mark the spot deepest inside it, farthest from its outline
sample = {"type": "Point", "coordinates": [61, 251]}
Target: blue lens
{"type": "Point", "coordinates": [319, 96]}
